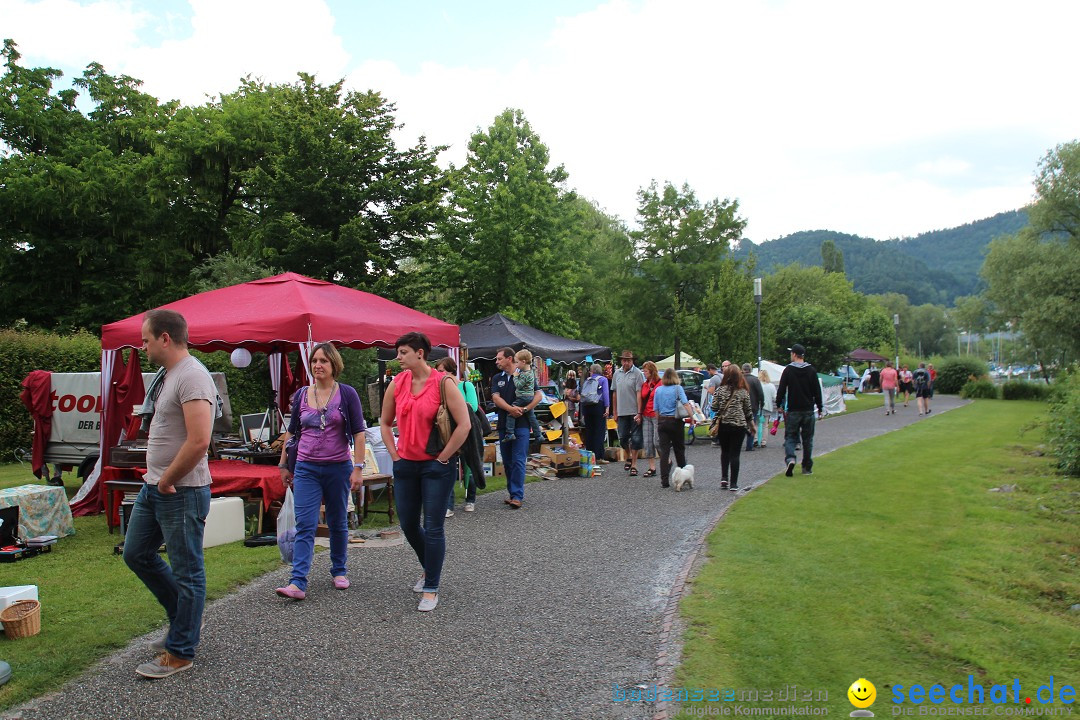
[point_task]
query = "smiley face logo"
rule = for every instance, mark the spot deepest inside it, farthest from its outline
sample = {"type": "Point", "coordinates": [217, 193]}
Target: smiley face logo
{"type": "Point", "coordinates": [862, 693]}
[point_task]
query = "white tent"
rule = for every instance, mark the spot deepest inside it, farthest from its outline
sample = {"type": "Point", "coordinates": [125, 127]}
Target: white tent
{"type": "Point", "coordinates": [686, 362]}
{"type": "Point", "coordinates": [831, 393]}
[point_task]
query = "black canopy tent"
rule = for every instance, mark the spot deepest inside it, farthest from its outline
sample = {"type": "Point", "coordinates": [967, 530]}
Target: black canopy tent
{"type": "Point", "coordinates": [485, 337]}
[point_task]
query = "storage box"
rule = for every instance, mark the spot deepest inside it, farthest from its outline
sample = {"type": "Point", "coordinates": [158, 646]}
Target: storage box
{"type": "Point", "coordinates": [564, 460]}
{"type": "Point", "coordinates": [489, 453]}
{"type": "Point", "coordinates": [615, 454]}
{"type": "Point", "coordinates": [9, 595]}
{"type": "Point", "coordinates": [224, 522]}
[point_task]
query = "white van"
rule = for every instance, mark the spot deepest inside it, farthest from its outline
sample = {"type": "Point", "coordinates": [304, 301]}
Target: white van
{"type": "Point", "coordinates": [76, 418]}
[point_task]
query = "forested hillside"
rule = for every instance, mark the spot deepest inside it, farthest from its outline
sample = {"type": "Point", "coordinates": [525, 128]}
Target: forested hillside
{"type": "Point", "coordinates": [935, 267]}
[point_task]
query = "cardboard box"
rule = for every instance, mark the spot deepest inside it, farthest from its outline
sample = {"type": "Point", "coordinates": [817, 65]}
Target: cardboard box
{"type": "Point", "coordinates": [615, 454]}
{"type": "Point", "coordinates": [564, 461]}
{"type": "Point", "coordinates": [489, 453]}
{"type": "Point", "coordinates": [224, 522]}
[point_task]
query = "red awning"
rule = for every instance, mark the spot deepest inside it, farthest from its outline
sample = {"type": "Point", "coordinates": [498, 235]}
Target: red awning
{"type": "Point", "coordinates": [276, 312]}
{"type": "Point", "coordinates": [863, 355]}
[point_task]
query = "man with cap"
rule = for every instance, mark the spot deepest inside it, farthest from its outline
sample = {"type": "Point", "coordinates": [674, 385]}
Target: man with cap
{"type": "Point", "coordinates": [626, 407]}
{"type": "Point", "coordinates": [800, 388]}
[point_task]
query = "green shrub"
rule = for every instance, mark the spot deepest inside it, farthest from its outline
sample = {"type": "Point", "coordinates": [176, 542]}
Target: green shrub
{"type": "Point", "coordinates": [954, 372]}
{"type": "Point", "coordinates": [1020, 390]}
{"type": "Point", "coordinates": [979, 389]}
{"type": "Point", "coordinates": [1063, 427]}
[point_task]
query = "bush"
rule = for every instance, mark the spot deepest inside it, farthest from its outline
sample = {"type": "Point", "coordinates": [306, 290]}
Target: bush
{"type": "Point", "coordinates": [979, 389]}
{"type": "Point", "coordinates": [955, 372]}
{"type": "Point", "coordinates": [1063, 427]}
{"type": "Point", "coordinates": [1020, 390]}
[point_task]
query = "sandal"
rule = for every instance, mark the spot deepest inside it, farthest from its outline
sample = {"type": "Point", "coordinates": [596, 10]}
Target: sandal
{"type": "Point", "coordinates": [649, 473]}
{"type": "Point", "coordinates": [627, 466]}
{"type": "Point", "coordinates": [633, 472]}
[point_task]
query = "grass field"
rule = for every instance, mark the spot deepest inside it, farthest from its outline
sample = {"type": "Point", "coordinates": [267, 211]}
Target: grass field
{"type": "Point", "coordinates": [897, 565]}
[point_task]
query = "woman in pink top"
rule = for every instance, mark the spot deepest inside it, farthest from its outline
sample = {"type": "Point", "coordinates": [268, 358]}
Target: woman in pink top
{"type": "Point", "coordinates": [422, 481]}
{"type": "Point", "coordinates": [889, 382]}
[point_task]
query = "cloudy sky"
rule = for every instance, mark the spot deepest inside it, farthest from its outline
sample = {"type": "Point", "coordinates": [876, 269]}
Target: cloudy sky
{"type": "Point", "coordinates": [883, 119]}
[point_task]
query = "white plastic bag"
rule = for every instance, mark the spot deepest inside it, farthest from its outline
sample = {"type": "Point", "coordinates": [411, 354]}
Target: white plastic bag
{"type": "Point", "coordinates": [286, 527]}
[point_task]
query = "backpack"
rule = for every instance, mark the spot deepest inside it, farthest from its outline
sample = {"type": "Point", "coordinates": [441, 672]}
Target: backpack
{"type": "Point", "coordinates": [590, 391]}
{"type": "Point", "coordinates": [922, 379]}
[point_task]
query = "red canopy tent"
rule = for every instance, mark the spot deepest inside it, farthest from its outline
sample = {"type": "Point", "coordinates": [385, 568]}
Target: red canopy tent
{"type": "Point", "coordinates": [277, 314]}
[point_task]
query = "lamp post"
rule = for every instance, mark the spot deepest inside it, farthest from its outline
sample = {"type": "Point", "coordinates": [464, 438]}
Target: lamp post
{"type": "Point", "coordinates": [896, 332]}
{"type": "Point", "coordinates": [757, 301]}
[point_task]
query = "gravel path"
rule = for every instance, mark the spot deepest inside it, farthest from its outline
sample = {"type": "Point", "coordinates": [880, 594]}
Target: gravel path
{"type": "Point", "coordinates": [542, 610]}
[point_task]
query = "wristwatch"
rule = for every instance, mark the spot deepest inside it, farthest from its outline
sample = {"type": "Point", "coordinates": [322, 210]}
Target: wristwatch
{"type": "Point", "coordinates": [359, 465]}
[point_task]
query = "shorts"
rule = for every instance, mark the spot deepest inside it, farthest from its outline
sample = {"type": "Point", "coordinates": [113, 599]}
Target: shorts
{"type": "Point", "coordinates": [630, 435]}
{"type": "Point", "coordinates": [907, 387]}
{"type": "Point", "coordinates": [651, 436]}
{"type": "Point", "coordinates": [924, 392]}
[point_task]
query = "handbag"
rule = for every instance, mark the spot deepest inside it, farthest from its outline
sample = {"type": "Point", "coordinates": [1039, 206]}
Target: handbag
{"type": "Point", "coordinates": [681, 413]}
{"type": "Point", "coordinates": [443, 426]}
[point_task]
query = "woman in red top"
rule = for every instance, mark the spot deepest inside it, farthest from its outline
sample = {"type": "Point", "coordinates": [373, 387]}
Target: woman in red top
{"type": "Point", "coordinates": [422, 481]}
{"type": "Point", "coordinates": [649, 430]}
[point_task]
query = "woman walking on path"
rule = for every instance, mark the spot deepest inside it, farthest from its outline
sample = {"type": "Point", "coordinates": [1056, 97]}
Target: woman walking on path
{"type": "Point", "coordinates": [594, 411]}
{"type": "Point", "coordinates": [649, 432]}
{"type": "Point", "coordinates": [448, 366]}
{"type": "Point", "coordinates": [768, 407]}
{"type": "Point", "coordinates": [905, 384]}
{"type": "Point", "coordinates": [328, 418]}
{"type": "Point", "coordinates": [735, 418]}
{"type": "Point", "coordinates": [667, 396]}
{"type": "Point", "coordinates": [421, 480]}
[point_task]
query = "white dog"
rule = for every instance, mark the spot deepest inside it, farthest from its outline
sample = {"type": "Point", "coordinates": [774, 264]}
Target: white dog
{"type": "Point", "coordinates": [683, 476]}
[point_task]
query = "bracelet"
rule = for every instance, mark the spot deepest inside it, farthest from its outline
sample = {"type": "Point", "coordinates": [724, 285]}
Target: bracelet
{"type": "Point", "coordinates": [359, 465]}
{"type": "Point", "coordinates": [283, 467]}
{"type": "Point", "coordinates": [443, 462]}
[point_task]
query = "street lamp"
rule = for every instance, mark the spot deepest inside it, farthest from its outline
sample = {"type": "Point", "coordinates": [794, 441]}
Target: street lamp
{"type": "Point", "coordinates": [757, 301]}
{"type": "Point", "coordinates": [896, 331]}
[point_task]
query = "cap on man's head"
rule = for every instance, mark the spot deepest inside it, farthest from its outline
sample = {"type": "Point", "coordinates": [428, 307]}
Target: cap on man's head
{"type": "Point", "coordinates": [798, 349]}
{"type": "Point", "coordinates": [626, 355]}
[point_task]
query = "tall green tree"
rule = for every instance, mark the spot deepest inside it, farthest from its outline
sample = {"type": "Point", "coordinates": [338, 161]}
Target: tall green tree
{"type": "Point", "coordinates": [725, 324]}
{"type": "Point", "coordinates": [681, 248]}
{"type": "Point", "coordinates": [507, 246]}
{"type": "Point", "coordinates": [832, 257]}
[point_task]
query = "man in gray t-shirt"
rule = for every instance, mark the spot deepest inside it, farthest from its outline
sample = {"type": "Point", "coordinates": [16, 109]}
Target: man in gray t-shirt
{"type": "Point", "coordinates": [173, 505]}
{"type": "Point", "coordinates": [626, 398]}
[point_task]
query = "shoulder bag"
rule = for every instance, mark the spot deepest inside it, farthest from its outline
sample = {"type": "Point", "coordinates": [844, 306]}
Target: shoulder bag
{"type": "Point", "coordinates": [443, 426]}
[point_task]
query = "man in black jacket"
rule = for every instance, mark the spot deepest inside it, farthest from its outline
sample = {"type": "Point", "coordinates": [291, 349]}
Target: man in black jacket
{"type": "Point", "coordinates": [800, 387]}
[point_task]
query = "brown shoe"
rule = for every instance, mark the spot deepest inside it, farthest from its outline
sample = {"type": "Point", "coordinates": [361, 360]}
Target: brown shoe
{"type": "Point", "coordinates": [163, 666]}
{"type": "Point", "coordinates": [516, 504]}
{"type": "Point", "coordinates": [508, 501]}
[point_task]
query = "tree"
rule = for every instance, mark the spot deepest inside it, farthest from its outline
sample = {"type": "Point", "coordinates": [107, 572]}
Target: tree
{"type": "Point", "coordinates": [681, 248]}
{"type": "Point", "coordinates": [725, 324]}
{"type": "Point", "coordinates": [506, 247]}
{"type": "Point", "coordinates": [971, 314]}
{"type": "Point", "coordinates": [832, 257]}
{"type": "Point", "coordinates": [826, 336]}
{"type": "Point", "coordinates": [1057, 189]}
{"type": "Point", "coordinates": [226, 270]}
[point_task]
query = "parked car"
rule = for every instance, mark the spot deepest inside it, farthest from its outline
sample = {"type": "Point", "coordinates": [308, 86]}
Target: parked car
{"type": "Point", "coordinates": [692, 383]}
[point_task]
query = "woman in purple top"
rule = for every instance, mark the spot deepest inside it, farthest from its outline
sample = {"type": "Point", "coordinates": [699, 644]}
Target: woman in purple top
{"type": "Point", "coordinates": [328, 418]}
{"type": "Point", "coordinates": [595, 399]}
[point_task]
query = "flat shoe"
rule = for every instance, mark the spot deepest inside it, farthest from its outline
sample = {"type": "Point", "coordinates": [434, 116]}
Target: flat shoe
{"type": "Point", "coordinates": [515, 504]}
{"type": "Point", "coordinates": [341, 582]}
{"type": "Point", "coordinates": [419, 586]}
{"type": "Point", "coordinates": [427, 605]}
{"type": "Point", "coordinates": [291, 591]}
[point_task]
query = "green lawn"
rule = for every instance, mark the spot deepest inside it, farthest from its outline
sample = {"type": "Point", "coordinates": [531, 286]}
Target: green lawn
{"type": "Point", "coordinates": [896, 564]}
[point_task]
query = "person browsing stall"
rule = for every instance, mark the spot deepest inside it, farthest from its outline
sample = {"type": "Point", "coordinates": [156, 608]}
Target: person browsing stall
{"type": "Point", "coordinates": [514, 452]}
{"type": "Point", "coordinates": [422, 480]}
{"type": "Point", "coordinates": [670, 428]}
{"type": "Point", "coordinates": [329, 420]}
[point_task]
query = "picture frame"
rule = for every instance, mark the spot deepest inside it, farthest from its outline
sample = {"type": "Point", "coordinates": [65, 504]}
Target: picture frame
{"type": "Point", "coordinates": [250, 428]}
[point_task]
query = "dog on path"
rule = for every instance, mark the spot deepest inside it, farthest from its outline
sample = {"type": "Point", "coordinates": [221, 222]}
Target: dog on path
{"type": "Point", "coordinates": [683, 476]}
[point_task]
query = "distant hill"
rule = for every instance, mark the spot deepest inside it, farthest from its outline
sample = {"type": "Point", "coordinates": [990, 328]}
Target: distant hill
{"type": "Point", "coordinates": [935, 267]}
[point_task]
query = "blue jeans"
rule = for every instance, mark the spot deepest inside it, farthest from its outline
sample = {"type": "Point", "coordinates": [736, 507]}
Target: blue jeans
{"type": "Point", "coordinates": [514, 453]}
{"type": "Point", "coordinates": [422, 485]}
{"type": "Point", "coordinates": [178, 519]}
{"type": "Point", "coordinates": [799, 425]}
{"type": "Point", "coordinates": [749, 437]}
{"type": "Point", "coordinates": [316, 484]}
{"type": "Point", "coordinates": [453, 485]}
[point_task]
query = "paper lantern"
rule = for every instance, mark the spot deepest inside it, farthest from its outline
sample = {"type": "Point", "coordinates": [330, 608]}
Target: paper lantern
{"type": "Point", "coordinates": [240, 358]}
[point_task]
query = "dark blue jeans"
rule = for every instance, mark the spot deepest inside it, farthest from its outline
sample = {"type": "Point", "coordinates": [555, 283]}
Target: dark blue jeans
{"type": "Point", "coordinates": [178, 519]}
{"type": "Point", "coordinates": [514, 454]}
{"type": "Point", "coordinates": [592, 416]}
{"type": "Point", "coordinates": [749, 437]}
{"type": "Point", "coordinates": [422, 485]}
{"type": "Point", "coordinates": [316, 484]}
{"type": "Point", "coordinates": [799, 425]}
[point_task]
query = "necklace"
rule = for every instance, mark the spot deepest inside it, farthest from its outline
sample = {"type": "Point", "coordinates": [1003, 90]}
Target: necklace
{"type": "Point", "coordinates": [322, 410]}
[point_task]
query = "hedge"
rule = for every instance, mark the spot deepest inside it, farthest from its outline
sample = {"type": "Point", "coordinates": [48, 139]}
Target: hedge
{"type": "Point", "coordinates": [979, 389]}
{"type": "Point", "coordinates": [1063, 427]}
{"type": "Point", "coordinates": [1021, 390]}
{"type": "Point", "coordinates": [954, 372]}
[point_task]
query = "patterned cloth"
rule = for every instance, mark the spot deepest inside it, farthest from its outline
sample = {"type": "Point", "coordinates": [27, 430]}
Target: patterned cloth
{"type": "Point", "coordinates": [42, 510]}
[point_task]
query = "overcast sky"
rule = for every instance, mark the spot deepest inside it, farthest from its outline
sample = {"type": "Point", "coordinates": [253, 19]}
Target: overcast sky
{"type": "Point", "coordinates": [882, 119]}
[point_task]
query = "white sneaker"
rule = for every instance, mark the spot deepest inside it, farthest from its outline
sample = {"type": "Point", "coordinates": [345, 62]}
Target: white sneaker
{"type": "Point", "coordinates": [470, 507]}
{"type": "Point", "coordinates": [428, 605]}
{"type": "Point", "coordinates": [449, 513]}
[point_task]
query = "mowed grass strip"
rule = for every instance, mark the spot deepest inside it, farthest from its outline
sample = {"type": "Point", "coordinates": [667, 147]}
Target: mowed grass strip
{"type": "Point", "coordinates": [894, 563]}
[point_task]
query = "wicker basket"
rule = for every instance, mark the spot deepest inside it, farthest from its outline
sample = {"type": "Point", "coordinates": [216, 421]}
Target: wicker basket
{"type": "Point", "coordinates": [22, 618]}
